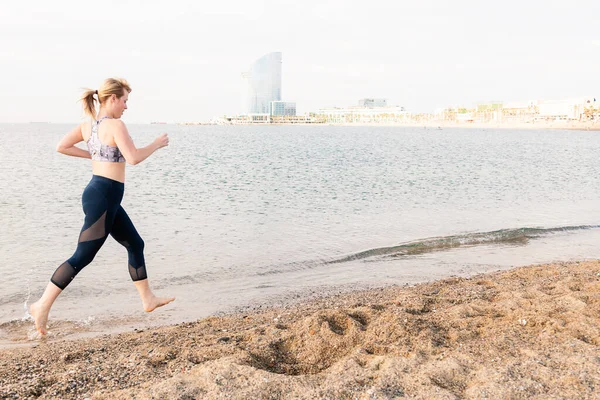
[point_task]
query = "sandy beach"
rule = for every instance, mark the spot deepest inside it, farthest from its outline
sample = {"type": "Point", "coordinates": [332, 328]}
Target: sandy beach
{"type": "Point", "coordinates": [530, 332]}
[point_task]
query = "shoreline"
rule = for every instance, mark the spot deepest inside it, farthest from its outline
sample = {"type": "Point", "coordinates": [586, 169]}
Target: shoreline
{"type": "Point", "coordinates": [553, 125]}
{"type": "Point", "coordinates": [430, 124]}
{"type": "Point", "coordinates": [539, 125]}
{"type": "Point", "coordinates": [527, 332]}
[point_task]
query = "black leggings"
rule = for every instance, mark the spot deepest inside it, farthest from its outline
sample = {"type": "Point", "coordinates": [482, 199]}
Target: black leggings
{"type": "Point", "coordinates": [103, 216]}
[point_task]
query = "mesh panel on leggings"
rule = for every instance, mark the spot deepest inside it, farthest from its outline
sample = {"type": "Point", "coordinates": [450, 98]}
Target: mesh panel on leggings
{"type": "Point", "coordinates": [138, 274]}
{"type": "Point", "coordinates": [96, 231]}
{"type": "Point", "coordinates": [63, 275]}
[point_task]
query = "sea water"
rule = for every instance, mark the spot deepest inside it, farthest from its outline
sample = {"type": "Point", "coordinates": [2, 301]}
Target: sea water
{"type": "Point", "coordinates": [239, 215]}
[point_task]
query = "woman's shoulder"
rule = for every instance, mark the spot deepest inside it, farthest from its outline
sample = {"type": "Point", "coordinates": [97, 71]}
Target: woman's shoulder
{"type": "Point", "coordinates": [116, 126]}
{"type": "Point", "coordinates": [115, 123]}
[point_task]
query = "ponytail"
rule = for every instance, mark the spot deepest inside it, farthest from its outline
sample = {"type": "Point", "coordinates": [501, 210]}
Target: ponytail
{"type": "Point", "coordinates": [89, 102]}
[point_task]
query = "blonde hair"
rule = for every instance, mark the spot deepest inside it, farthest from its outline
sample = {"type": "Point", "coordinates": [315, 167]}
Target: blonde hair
{"type": "Point", "coordinates": [110, 86]}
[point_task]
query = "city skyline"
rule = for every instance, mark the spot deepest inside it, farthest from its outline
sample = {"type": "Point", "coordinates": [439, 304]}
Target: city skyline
{"type": "Point", "coordinates": [184, 60]}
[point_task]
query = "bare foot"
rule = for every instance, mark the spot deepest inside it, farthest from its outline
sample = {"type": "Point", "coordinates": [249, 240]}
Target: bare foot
{"type": "Point", "coordinates": [40, 315]}
{"type": "Point", "coordinates": [154, 302]}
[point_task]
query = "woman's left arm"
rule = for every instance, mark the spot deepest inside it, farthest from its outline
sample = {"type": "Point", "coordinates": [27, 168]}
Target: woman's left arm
{"type": "Point", "coordinates": [67, 144]}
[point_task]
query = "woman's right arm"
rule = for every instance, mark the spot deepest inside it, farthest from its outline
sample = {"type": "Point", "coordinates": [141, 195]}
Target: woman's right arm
{"type": "Point", "coordinates": [132, 154]}
{"type": "Point", "coordinates": [68, 142]}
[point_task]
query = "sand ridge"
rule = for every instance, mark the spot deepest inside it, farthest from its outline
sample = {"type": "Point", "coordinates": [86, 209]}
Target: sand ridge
{"type": "Point", "coordinates": [530, 332]}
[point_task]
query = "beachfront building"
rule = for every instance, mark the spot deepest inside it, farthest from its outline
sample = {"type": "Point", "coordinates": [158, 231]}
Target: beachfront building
{"type": "Point", "coordinates": [370, 102]}
{"type": "Point", "coordinates": [283, 108]}
{"type": "Point", "coordinates": [262, 84]}
{"type": "Point", "coordinates": [563, 110]}
{"type": "Point", "coordinates": [254, 119]}
{"type": "Point", "coordinates": [579, 109]}
{"type": "Point", "coordinates": [592, 110]}
{"type": "Point", "coordinates": [359, 115]}
{"type": "Point", "coordinates": [524, 111]}
{"type": "Point", "coordinates": [490, 111]}
{"type": "Point", "coordinates": [245, 119]}
{"type": "Point", "coordinates": [454, 114]}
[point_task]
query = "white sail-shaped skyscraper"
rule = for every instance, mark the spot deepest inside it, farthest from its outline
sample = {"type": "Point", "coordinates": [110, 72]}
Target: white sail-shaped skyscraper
{"type": "Point", "coordinates": [262, 84]}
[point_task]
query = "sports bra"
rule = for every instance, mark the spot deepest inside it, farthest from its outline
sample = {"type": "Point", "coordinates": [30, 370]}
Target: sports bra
{"type": "Point", "coordinates": [100, 151]}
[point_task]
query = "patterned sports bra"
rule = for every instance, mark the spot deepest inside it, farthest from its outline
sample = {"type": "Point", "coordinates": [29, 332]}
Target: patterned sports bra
{"type": "Point", "coordinates": [100, 151]}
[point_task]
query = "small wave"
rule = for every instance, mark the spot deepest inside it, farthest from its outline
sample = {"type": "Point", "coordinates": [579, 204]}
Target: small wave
{"type": "Point", "coordinates": [295, 266]}
{"type": "Point", "coordinates": [17, 331]}
{"type": "Point", "coordinates": [503, 236]}
{"type": "Point", "coordinates": [15, 324]}
{"type": "Point", "coordinates": [517, 236]}
{"type": "Point", "coordinates": [22, 331]}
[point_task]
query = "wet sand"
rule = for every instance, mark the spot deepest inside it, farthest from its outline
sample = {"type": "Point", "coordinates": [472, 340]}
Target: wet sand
{"type": "Point", "coordinates": [530, 332]}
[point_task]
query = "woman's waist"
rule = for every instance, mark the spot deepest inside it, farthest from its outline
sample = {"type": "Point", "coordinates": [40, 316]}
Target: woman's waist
{"type": "Point", "coordinates": [111, 170]}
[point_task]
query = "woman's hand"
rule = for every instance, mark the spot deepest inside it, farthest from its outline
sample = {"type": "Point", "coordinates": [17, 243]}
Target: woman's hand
{"type": "Point", "coordinates": [162, 141]}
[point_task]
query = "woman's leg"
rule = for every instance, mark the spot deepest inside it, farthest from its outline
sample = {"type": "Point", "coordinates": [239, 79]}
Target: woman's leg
{"type": "Point", "coordinates": [41, 308]}
{"type": "Point", "coordinates": [98, 220]}
{"type": "Point", "coordinates": [125, 233]}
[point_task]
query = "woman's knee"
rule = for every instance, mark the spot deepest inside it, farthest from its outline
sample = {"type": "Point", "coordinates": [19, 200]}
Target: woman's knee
{"type": "Point", "coordinates": [79, 261]}
{"type": "Point", "coordinates": [84, 254]}
{"type": "Point", "coordinates": [137, 244]}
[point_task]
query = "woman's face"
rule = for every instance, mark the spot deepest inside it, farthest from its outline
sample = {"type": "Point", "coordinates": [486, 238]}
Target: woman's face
{"type": "Point", "coordinates": [120, 104]}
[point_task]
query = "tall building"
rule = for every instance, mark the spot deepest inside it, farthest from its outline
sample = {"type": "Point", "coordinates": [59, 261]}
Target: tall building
{"type": "Point", "coordinates": [262, 84]}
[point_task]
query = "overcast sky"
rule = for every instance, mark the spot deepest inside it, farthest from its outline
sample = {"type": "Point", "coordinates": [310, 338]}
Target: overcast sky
{"type": "Point", "coordinates": [184, 59]}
